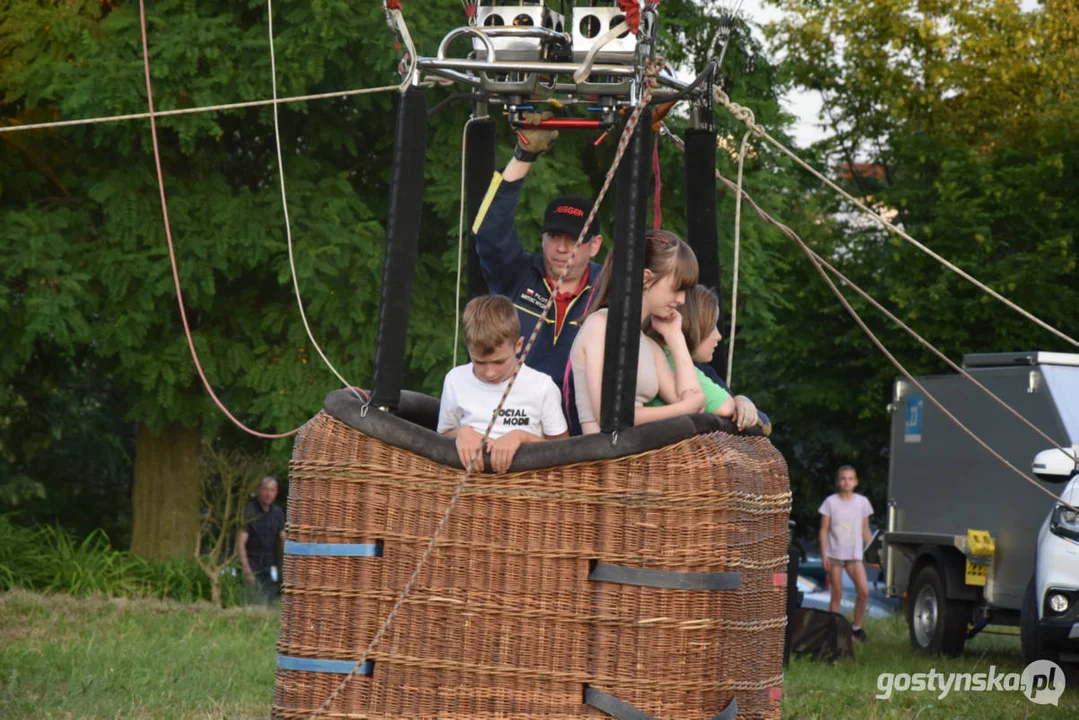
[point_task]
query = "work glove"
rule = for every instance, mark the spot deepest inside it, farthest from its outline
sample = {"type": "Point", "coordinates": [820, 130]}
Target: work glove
{"type": "Point", "coordinates": [532, 142]}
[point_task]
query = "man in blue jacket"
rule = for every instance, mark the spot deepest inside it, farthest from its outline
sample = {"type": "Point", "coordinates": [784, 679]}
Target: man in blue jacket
{"type": "Point", "coordinates": [528, 279]}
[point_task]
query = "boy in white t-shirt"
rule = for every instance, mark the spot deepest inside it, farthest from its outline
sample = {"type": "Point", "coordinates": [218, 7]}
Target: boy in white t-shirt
{"type": "Point", "coordinates": [471, 392]}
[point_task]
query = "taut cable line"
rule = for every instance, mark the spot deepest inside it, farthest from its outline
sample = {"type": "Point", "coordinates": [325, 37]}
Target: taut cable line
{"type": "Point", "coordinates": [745, 115]}
{"type": "Point", "coordinates": [196, 110]}
{"type": "Point", "coordinates": [817, 263]}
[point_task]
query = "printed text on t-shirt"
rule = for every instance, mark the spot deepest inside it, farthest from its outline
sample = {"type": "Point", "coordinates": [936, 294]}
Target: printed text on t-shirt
{"type": "Point", "coordinates": [513, 416]}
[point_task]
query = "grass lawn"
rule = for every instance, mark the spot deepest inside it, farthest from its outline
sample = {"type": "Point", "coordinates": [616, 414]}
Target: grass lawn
{"type": "Point", "coordinates": [62, 657]}
{"type": "Point", "coordinates": [847, 689]}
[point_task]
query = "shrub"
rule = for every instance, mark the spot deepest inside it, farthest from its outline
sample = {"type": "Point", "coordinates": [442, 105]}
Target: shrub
{"type": "Point", "coordinates": [49, 559]}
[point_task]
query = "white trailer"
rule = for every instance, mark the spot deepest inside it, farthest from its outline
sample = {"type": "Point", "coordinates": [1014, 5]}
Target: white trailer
{"type": "Point", "coordinates": [964, 533]}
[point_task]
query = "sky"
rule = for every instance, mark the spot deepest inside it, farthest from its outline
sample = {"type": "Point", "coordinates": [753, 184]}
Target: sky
{"type": "Point", "coordinates": [803, 104]}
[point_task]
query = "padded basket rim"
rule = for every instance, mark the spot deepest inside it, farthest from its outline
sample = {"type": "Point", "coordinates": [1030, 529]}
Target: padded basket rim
{"type": "Point", "coordinates": [399, 432]}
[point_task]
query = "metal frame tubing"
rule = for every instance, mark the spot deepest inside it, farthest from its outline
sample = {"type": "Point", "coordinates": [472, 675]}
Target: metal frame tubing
{"type": "Point", "coordinates": [702, 227]}
{"type": "Point", "coordinates": [623, 339]}
{"type": "Point", "coordinates": [402, 245]}
{"type": "Point", "coordinates": [479, 167]}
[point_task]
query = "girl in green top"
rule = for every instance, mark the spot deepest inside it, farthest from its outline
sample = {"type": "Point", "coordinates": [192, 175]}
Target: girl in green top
{"type": "Point", "coordinates": [700, 316]}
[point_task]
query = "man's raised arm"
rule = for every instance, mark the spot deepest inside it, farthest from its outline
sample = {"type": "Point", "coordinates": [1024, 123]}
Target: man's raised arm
{"type": "Point", "coordinates": [502, 256]}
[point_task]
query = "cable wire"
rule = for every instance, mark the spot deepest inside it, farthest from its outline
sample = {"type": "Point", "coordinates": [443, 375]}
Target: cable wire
{"type": "Point", "coordinates": [746, 116]}
{"type": "Point", "coordinates": [172, 250]}
{"type": "Point", "coordinates": [737, 253]}
{"type": "Point", "coordinates": [815, 258]}
{"type": "Point", "coordinates": [197, 110]}
{"type": "Point", "coordinates": [284, 207]}
{"type": "Point", "coordinates": [460, 241]}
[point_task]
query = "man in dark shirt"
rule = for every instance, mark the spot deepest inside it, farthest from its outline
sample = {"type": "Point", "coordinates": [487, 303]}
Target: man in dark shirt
{"type": "Point", "coordinates": [528, 279]}
{"type": "Point", "coordinates": [259, 541]}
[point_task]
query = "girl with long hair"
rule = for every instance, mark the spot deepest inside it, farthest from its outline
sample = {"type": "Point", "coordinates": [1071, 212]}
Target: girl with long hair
{"type": "Point", "coordinates": [670, 270]}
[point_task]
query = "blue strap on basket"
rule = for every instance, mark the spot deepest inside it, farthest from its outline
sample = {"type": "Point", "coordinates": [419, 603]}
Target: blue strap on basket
{"type": "Point", "coordinates": [621, 710]}
{"type": "Point", "coordinates": [670, 579]}
{"type": "Point", "coordinates": [341, 667]}
{"type": "Point", "coordinates": [333, 549]}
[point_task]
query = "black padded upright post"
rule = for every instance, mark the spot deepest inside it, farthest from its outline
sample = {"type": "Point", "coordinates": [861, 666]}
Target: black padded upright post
{"type": "Point", "coordinates": [702, 231]}
{"type": "Point", "coordinates": [402, 245]}
{"type": "Point", "coordinates": [479, 167]}
{"type": "Point", "coordinates": [627, 281]}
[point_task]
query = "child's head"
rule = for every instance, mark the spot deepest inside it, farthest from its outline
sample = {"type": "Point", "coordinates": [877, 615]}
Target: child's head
{"type": "Point", "coordinates": [700, 319]}
{"type": "Point", "coordinates": [492, 336]}
{"type": "Point", "coordinates": [670, 269]}
{"type": "Point", "coordinates": [846, 479]}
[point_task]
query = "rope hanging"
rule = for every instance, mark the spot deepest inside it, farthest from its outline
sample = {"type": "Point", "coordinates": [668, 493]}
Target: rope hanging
{"type": "Point", "coordinates": [737, 253]}
{"type": "Point", "coordinates": [284, 207]}
{"type": "Point", "coordinates": [172, 249]}
{"type": "Point", "coordinates": [152, 115]}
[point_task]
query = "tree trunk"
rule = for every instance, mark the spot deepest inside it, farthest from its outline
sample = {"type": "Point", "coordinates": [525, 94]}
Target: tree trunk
{"type": "Point", "coordinates": [166, 491]}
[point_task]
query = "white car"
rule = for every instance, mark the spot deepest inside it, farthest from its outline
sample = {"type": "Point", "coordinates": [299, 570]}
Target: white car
{"type": "Point", "coordinates": [1049, 622]}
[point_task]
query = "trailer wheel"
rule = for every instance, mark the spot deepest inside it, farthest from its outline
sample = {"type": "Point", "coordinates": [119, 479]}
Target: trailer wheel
{"type": "Point", "coordinates": [1036, 641]}
{"type": "Point", "coordinates": [938, 626]}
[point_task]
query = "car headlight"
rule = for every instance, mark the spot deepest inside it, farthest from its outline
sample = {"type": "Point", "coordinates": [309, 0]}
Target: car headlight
{"type": "Point", "coordinates": [1065, 522]}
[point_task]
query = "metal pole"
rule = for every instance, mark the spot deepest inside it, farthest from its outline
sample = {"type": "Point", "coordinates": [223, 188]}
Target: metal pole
{"type": "Point", "coordinates": [479, 167]}
{"type": "Point", "coordinates": [702, 227]}
{"type": "Point", "coordinates": [623, 340]}
{"type": "Point", "coordinates": [402, 246]}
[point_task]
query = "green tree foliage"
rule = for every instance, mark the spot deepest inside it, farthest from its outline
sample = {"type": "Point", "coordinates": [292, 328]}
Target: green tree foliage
{"type": "Point", "coordinates": [964, 116]}
{"type": "Point", "coordinates": [87, 296]}
{"type": "Point", "coordinates": [84, 254]}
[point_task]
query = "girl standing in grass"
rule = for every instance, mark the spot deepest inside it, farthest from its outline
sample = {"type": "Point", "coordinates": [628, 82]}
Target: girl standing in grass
{"type": "Point", "coordinates": [844, 532]}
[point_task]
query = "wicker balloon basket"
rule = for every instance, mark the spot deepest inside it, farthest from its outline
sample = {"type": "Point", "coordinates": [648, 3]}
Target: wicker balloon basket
{"type": "Point", "coordinates": [652, 583]}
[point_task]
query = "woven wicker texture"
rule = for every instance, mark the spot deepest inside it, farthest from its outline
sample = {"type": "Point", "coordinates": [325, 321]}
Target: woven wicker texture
{"type": "Point", "coordinates": [503, 622]}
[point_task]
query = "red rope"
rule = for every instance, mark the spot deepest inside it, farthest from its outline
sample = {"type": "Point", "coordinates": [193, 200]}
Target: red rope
{"type": "Point", "coordinates": [587, 307]}
{"type": "Point", "coordinates": [172, 250]}
{"type": "Point", "coordinates": [657, 213]}
{"type": "Point", "coordinates": [632, 10]}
